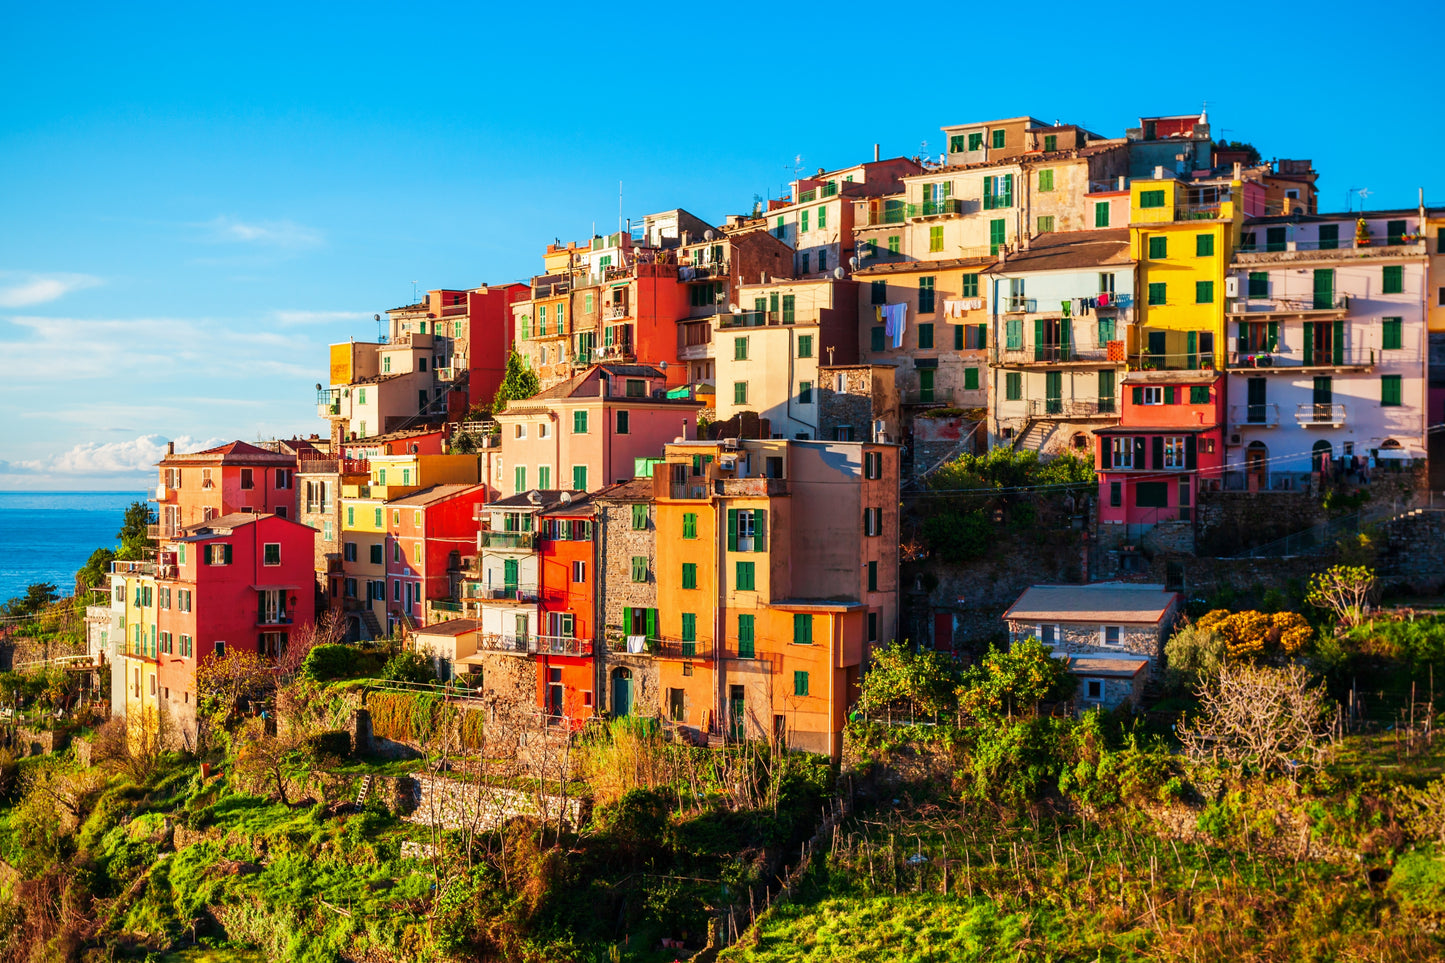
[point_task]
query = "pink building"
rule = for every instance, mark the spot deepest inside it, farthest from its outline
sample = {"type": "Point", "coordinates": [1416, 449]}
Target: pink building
{"type": "Point", "coordinates": [600, 427]}
{"type": "Point", "coordinates": [1167, 446]}
{"type": "Point", "coordinates": [427, 534]}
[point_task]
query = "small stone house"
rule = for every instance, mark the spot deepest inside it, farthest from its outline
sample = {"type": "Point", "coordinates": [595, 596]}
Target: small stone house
{"type": "Point", "coordinates": [451, 646]}
{"type": "Point", "coordinates": [1112, 633]}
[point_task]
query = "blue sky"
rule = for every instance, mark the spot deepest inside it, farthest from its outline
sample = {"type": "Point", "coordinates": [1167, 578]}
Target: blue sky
{"type": "Point", "coordinates": [194, 200]}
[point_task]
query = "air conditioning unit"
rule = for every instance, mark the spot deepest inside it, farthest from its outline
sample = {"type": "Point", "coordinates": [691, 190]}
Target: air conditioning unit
{"type": "Point", "coordinates": [1234, 439]}
{"type": "Point", "coordinates": [1231, 286]}
{"type": "Point", "coordinates": [730, 444]}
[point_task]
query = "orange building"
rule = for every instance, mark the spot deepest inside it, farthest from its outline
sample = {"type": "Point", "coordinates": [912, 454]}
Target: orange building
{"type": "Point", "coordinates": [566, 671]}
{"type": "Point", "coordinates": [237, 477]}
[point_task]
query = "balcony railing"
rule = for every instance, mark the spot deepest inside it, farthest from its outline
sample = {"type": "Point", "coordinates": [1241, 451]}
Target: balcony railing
{"type": "Point", "coordinates": [499, 642]}
{"type": "Point", "coordinates": [1265, 251]}
{"type": "Point", "coordinates": [928, 396]}
{"type": "Point", "coordinates": [506, 593]}
{"type": "Point", "coordinates": [516, 541]}
{"type": "Point", "coordinates": [1019, 305]}
{"type": "Point", "coordinates": [1262, 306]}
{"type": "Point", "coordinates": [1050, 409]}
{"type": "Point", "coordinates": [1320, 415]}
{"type": "Point", "coordinates": [888, 214]}
{"type": "Point", "coordinates": [745, 319]}
{"type": "Point", "coordinates": [614, 312]}
{"type": "Point", "coordinates": [1256, 416]}
{"type": "Point", "coordinates": [1264, 361]}
{"type": "Point", "coordinates": [1197, 212]}
{"type": "Point", "coordinates": [441, 605]}
{"type": "Point", "coordinates": [949, 205]}
{"type": "Point", "coordinates": [1054, 354]}
{"type": "Point", "coordinates": [560, 645]}
{"type": "Point", "coordinates": [680, 649]}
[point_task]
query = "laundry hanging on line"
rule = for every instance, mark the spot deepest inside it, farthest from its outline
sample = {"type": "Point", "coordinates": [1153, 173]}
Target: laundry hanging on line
{"type": "Point", "coordinates": [955, 307]}
{"type": "Point", "coordinates": [895, 321]}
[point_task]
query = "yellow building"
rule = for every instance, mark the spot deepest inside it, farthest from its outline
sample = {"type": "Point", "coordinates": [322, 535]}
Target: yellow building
{"type": "Point", "coordinates": [1182, 236]}
{"type": "Point", "coordinates": [134, 588]}
{"type": "Point", "coordinates": [1435, 278]}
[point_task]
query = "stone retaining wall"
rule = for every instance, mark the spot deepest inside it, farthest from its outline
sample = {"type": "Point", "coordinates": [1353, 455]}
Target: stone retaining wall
{"type": "Point", "coordinates": [454, 804]}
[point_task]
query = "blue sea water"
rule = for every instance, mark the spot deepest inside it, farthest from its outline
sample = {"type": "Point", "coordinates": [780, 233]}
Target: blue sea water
{"type": "Point", "coordinates": [46, 536]}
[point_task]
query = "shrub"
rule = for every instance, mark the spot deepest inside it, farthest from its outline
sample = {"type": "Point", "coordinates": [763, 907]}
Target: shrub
{"type": "Point", "coordinates": [1271, 719]}
{"type": "Point", "coordinates": [1015, 680]}
{"type": "Point", "coordinates": [1252, 634]}
{"type": "Point", "coordinates": [409, 667]}
{"type": "Point", "coordinates": [1193, 655]}
{"type": "Point", "coordinates": [326, 662]}
{"type": "Point", "coordinates": [958, 536]}
{"type": "Point", "coordinates": [1343, 591]}
{"type": "Point", "coordinates": [908, 682]}
{"type": "Point", "coordinates": [329, 744]}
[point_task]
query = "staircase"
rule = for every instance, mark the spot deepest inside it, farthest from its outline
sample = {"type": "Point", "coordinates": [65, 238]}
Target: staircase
{"type": "Point", "coordinates": [1017, 441]}
{"type": "Point", "coordinates": [364, 791]}
{"type": "Point", "coordinates": [368, 619]}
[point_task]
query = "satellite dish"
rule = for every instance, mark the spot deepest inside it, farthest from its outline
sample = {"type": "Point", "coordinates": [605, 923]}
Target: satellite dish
{"type": "Point", "coordinates": [566, 498]}
{"type": "Point", "coordinates": [838, 272]}
{"type": "Point", "coordinates": [414, 449]}
{"type": "Point", "coordinates": [732, 309]}
{"type": "Point", "coordinates": [853, 262]}
{"type": "Point", "coordinates": [707, 235]}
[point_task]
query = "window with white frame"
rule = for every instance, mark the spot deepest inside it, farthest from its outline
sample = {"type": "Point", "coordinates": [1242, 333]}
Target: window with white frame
{"type": "Point", "coordinates": [1123, 450]}
{"type": "Point", "coordinates": [1174, 451]}
{"type": "Point", "coordinates": [1151, 395]}
{"type": "Point", "coordinates": [1111, 635]}
{"type": "Point", "coordinates": [1049, 634]}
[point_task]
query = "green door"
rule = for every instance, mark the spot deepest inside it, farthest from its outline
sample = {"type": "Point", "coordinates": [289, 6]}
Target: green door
{"type": "Point", "coordinates": [1054, 392]}
{"type": "Point", "coordinates": [1324, 396]}
{"type": "Point", "coordinates": [736, 711]}
{"type": "Point", "coordinates": [925, 385]}
{"type": "Point", "coordinates": [621, 692]}
{"type": "Point", "coordinates": [509, 577]}
{"type": "Point", "coordinates": [1324, 289]}
{"type": "Point", "coordinates": [1257, 411]}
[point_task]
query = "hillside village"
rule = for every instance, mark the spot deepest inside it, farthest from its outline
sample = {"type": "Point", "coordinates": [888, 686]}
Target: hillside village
{"type": "Point", "coordinates": [960, 552]}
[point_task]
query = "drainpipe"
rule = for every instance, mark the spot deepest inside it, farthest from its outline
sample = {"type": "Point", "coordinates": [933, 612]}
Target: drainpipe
{"type": "Point", "coordinates": [835, 748]}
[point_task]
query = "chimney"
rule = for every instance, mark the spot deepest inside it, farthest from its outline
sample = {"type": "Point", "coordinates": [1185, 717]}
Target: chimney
{"type": "Point", "coordinates": [1123, 182]}
{"type": "Point", "coordinates": [1238, 170]}
{"type": "Point", "coordinates": [1158, 172]}
{"type": "Point", "coordinates": [170, 448]}
{"type": "Point", "coordinates": [875, 153]}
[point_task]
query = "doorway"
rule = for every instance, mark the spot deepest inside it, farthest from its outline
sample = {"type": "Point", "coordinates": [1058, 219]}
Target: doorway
{"type": "Point", "coordinates": [621, 692]}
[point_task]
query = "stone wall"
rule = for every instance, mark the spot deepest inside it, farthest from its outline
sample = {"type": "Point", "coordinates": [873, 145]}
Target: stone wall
{"type": "Point", "coordinates": [939, 439]}
{"type": "Point", "coordinates": [450, 804]}
{"type": "Point", "coordinates": [1083, 639]}
{"type": "Point", "coordinates": [21, 741]}
{"type": "Point", "coordinates": [620, 542]}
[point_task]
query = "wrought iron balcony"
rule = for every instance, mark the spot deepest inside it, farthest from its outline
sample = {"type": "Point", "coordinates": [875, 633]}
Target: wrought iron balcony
{"type": "Point", "coordinates": [1320, 415]}
{"type": "Point", "coordinates": [1254, 416]}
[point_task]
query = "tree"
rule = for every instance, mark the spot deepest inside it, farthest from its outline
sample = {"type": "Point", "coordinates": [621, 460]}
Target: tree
{"type": "Point", "coordinates": [134, 532]}
{"type": "Point", "coordinates": [520, 381]}
{"type": "Point", "coordinates": [92, 574]}
{"type": "Point", "coordinates": [906, 682]}
{"type": "Point", "coordinates": [37, 596]}
{"type": "Point", "coordinates": [1252, 634]}
{"type": "Point", "coordinates": [1343, 591]}
{"type": "Point", "coordinates": [1194, 655]}
{"type": "Point", "coordinates": [1259, 716]}
{"type": "Point", "coordinates": [222, 683]}
{"type": "Point", "coordinates": [409, 666]}
{"type": "Point", "coordinates": [327, 629]}
{"type": "Point", "coordinates": [263, 759]}
{"type": "Point", "coordinates": [1014, 680]}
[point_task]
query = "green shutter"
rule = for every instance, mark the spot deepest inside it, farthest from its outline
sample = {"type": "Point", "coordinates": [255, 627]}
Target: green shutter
{"type": "Point", "coordinates": [652, 623]}
{"type": "Point", "coordinates": [1393, 333]}
{"type": "Point", "coordinates": [1390, 390]}
{"type": "Point", "coordinates": [958, 337]}
{"type": "Point", "coordinates": [970, 379]}
{"type": "Point", "coordinates": [1138, 395]}
{"type": "Point", "coordinates": [689, 525]}
{"type": "Point", "coordinates": [745, 637]}
{"type": "Point", "coordinates": [1309, 327]}
{"type": "Point", "coordinates": [803, 628]}
{"type": "Point", "coordinates": [1038, 339]}
{"type": "Point", "coordinates": [732, 529]}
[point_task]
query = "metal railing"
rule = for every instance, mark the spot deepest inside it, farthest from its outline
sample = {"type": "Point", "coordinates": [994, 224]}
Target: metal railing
{"type": "Point", "coordinates": [1247, 305]}
{"type": "Point", "coordinates": [928, 396]}
{"type": "Point", "coordinates": [1047, 409]}
{"type": "Point", "coordinates": [559, 645]}
{"type": "Point", "coordinates": [614, 312]}
{"type": "Point", "coordinates": [754, 487]}
{"type": "Point", "coordinates": [1264, 415]}
{"type": "Point", "coordinates": [888, 214]}
{"type": "Point", "coordinates": [948, 205]}
{"type": "Point", "coordinates": [441, 605]}
{"type": "Point", "coordinates": [500, 642]}
{"type": "Point", "coordinates": [1054, 354]}
{"type": "Point", "coordinates": [521, 541]}
{"type": "Point", "coordinates": [1348, 358]}
{"type": "Point", "coordinates": [744, 319]}
{"type": "Point", "coordinates": [1320, 414]}
{"type": "Point", "coordinates": [1018, 305]}
{"type": "Point", "coordinates": [664, 648]}
{"type": "Point", "coordinates": [507, 593]}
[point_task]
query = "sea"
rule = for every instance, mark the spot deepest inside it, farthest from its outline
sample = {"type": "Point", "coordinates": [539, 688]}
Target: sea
{"type": "Point", "coordinates": [47, 536]}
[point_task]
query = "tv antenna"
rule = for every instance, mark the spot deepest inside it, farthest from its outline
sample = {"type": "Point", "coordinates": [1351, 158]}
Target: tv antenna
{"type": "Point", "coordinates": [413, 292]}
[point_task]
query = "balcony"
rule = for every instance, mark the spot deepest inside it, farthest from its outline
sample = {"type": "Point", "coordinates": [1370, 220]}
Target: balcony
{"type": "Point", "coordinates": [1053, 354]}
{"type": "Point", "coordinates": [893, 213]}
{"type": "Point", "coordinates": [1057, 409]}
{"type": "Point", "coordinates": [1254, 416]}
{"type": "Point", "coordinates": [499, 642]}
{"type": "Point", "coordinates": [1320, 415]}
{"type": "Point", "coordinates": [278, 619]}
{"type": "Point", "coordinates": [560, 645]}
{"type": "Point", "coordinates": [940, 208]}
{"type": "Point", "coordinates": [333, 564]}
{"type": "Point", "coordinates": [746, 319]}
{"type": "Point", "coordinates": [680, 649]}
{"type": "Point", "coordinates": [133, 568]}
{"type": "Point", "coordinates": [526, 594]}
{"type": "Point", "coordinates": [928, 396]}
{"type": "Point", "coordinates": [701, 272]}
{"type": "Point", "coordinates": [446, 374]}
{"type": "Point", "coordinates": [614, 312]}
{"type": "Point", "coordinates": [751, 487]}
{"type": "Point", "coordinates": [1293, 307]}
{"type": "Point", "coordinates": [547, 286]}
{"type": "Point", "coordinates": [507, 541]}
{"type": "Point", "coordinates": [1264, 363]}
{"type": "Point", "coordinates": [1343, 249]}
{"type": "Point", "coordinates": [1018, 305]}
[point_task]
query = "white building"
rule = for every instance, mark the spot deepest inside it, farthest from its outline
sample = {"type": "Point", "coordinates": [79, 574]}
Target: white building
{"type": "Point", "coordinates": [1328, 346]}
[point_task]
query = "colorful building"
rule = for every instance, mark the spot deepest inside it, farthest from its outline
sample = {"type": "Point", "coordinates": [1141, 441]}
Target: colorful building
{"type": "Point", "coordinates": [567, 568]}
{"type": "Point", "coordinates": [591, 430]}
{"type": "Point", "coordinates": [626, 542]}
{"type": "Point", "coordinates": [428, 532]}
{"type": "Point", "coordinates": [237, 477]}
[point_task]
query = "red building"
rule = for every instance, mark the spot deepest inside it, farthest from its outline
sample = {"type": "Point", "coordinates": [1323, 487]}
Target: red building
{"type": "Point", "coordinates": [1169, 437]}
{"type": "Point", "coordinates": [237, 477]}
{"type": "Point", "coordinates": [566, 669]}
{"type": "Point", "coordinates": [239, 582]}
{"type": "Point", "coordinates": [427, 534]}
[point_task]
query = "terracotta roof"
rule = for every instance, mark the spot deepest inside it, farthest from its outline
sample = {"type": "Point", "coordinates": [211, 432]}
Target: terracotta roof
{"type": "Point", "coordinates": [1062, 250]}
{"type": "Point", "coordinates": [215, 526]}
{"type": "Point", "coordinates": [919, 267]}
{"type": "Point", "coordinates": [581, 505]}
{"type": "Point", "coordinates": [395, 435]}
{"type": "Point", "coordinates": [547, 498]}
{"type": "Point", "coordinates": [237, 452]}
{"type": "Point", "coordinates": [1105, 602]}
{"type": "Point", "coordinates": [1114, 668]}
{"type": "Point", "coordinates": [452, 627]}
{"type": "Point", "coordinates": [436, 493]}
{"type": "Point", "coordinates": [567, 388]}
{"type": "Point", "coordinates": [632, 490]}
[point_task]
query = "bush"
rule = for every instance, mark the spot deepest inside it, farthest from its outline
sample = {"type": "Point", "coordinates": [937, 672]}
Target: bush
{"type": "Point", "coordinates": [1252, 634]}
{"type": "Point", "coordinates": [330, 744]}
{"type": "Point", "coordinates": [326, 662]}
{"type": "Point", "coordinates": [958, 536]}
{"type": "Point", "coordinates": [409, 667]}
{"type": "Point", "coordinates": [1014, 681]}
{"type": "Point", "coordinates": [1193, 655]}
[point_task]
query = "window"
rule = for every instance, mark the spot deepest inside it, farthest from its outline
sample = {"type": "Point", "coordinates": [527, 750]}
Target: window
{"type": "Point", "coordinates": [519, 431]}
{"type": "Point", "coordinates": [1174, 451]}
{"type": "Point", "coordinates": [790, 307]}
{"type": "Point", "coordinates": [805, 392]}
{"type": "Point", "coordinates": [955, 144]}
{"type": "Point", "coordinates": [1394, 280]}
{"type": "Point", "coordinates": [1204, 245]}
{"type": "Point", "coordinates": [1101, 213]}
{"type": "Point", "coordinates": [1203, 292]}
{"type": "Point", "coordinates": [925, 296]}
{"type": "Point", "coordinates": [579, 478]}
{"type": "Point", "coordinates": [998, 139]}
{"type": "Point", "coordinates": [349, 551]}
{"type": "Point", "coordinates": [1390, 391]}
{"type": "Point", "coordinates": [1046, 224]}
{"type": "Point", "coordinates": [800, 683]}
{"type": "Point", "coordinates": [1392, 334]}
{"type": "Point", "coordinates": [639, 568]}
{"type": "Point", "coordinates": [689, 575]}
{"type": "Point", "coordinates": [743, 580]}
{"type": "Point", "coordinates": [805, 345]}
{"type": "Point", "coordinates": [376, 519]}
{"type": "Point", "coordinates": [1149, 199]}
{"type": "Point", "coordinates": [271, 553]}
{"type": "Point", "coordinates": [1046, 178]}
{"type": "Point", "coordinates": [1051, 144]}
{"type": "Point", "coordinates": [1151, 495]}
{"type": "Point", "coordinates": [1116, 494]}
{"type": "Point", "coordinates": [1158, 247]}
{"type": "Point", "coordinates": [588, 305]}
{"type": "Point", "coordinates": [872, 521]}
{"type": "Point", "coordinates": [879, 291]}
{"type": "Point", "coordinates": [1013, 386]}
{"type": "Point", "coordinates": [689, 525]}
{"type": "Point", "coordinates": [246, 479]}
{"type": "Point", "coordinates": [1329, 237]}
{"type": "Point", "coordinates": [1248, 241]}
{"type": "Point", "coordinates": [519, 478]}
{"type": "Point", "coordinates": [925, 336]}
{"type": "Point", "coordinates": [544, 477]}
{"type": "Point", "coordinates": [970, 286]}
{"type": "Point", "coordinates": [998, 192]}
{"type": "Point", "coordinates": [636, 388]}
{"type": "Point", "coordinates": [376, 558]}
{"type": "Point", "coordinates": [975, 140]}
{"type": "Point", "coordinates": [935, 238]}
{"type": "Point", "coordinates": [639, 517]}
{"type": "Point", "coordinates": [1258, 284]}
{"type": "Point", "coordinates": [802, 628]}
{"type": "Point", "coordinates": [218, 555]}
{"type": "Point", "coordinates": [873, 464]}
{"type": "Point", "coordinates": [876, 343]}
{"type": "Point", "coordinates": [1395, 232]}
{"type": "Point", "coordinates": [1158, 293]}
{"type": "Point", "coordinates": [893, 244]}
{"type": "Point", "coordinates": [803, 220]}
{"type": "Point", "coordinates": [1199, 394]}
{"type": "Point", "coordinates": [822, 217]}
{"type": "Point", "coordinates": [1122, 450]}
{"type": "Point", "coordinates": [803, 261]}
{"type": "Point", "coordinates": [745, 636]}
{"type": "Point", "coordinates": [970, 379]}
{"type": "Point", "coordinates": [872, 576]}
{"type": "Point", "coordinates": [623, 422]}
{"type": "Point", "coordinates": [579, 422]}
{"type": "Point", "coordinates": [1014, 334]}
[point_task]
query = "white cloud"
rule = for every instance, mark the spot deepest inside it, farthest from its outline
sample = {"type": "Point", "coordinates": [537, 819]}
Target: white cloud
{"type": "Point", "coordinates": [40, 289]}
{"type": "Point", "coordinates": [110, 458]}
{"type": "Point", "coordinates": [319, 317]}
{"type": "Point", "coordinates": [283, 233]}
